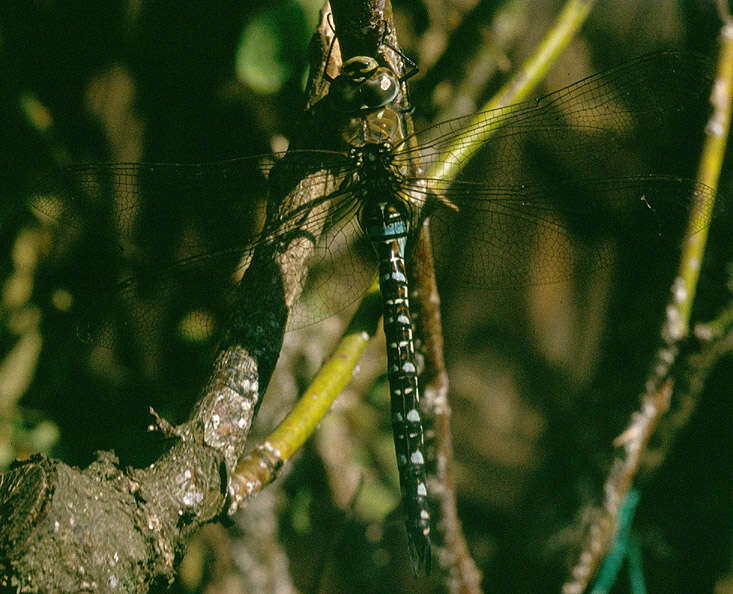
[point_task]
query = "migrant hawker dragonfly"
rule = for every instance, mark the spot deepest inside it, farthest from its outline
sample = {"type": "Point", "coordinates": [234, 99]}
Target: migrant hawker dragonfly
{"type": "Point", "coordinates": [374, 199]}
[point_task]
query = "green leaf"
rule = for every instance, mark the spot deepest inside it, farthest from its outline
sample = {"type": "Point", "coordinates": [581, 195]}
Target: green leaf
{"type": "Point", "coordinates": [273, 45]}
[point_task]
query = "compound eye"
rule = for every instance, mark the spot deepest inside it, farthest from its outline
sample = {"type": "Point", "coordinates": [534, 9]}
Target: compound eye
{"type": "Point", "coordinates": [380, 89]}
{"type": "Point", "coordinates": [363, 85]}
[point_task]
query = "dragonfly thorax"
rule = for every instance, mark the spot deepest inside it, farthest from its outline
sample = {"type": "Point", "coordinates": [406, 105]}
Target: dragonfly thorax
{"type": "Point", "coordinates": [373, 158]}
{"type": "Point", "coordinates": [376, 176]}
{"type": "Point", "coordinates": [384, 212]}
{"type": "Point", "coordinates": [377, 127]}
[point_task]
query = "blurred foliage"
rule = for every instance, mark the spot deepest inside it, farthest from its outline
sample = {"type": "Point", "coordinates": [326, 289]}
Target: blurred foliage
{"type": "Point", "coordinates": [271, 50]}
{"type": "Point", "coordinates": [541, 380]}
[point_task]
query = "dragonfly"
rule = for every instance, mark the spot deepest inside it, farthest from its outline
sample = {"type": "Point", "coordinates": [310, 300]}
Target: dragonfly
{"type": "Point", "coordinates": [366, 200]}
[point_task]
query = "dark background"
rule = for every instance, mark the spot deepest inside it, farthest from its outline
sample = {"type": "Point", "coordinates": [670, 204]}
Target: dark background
{"type": "Point", "coordinates": [542, 379]}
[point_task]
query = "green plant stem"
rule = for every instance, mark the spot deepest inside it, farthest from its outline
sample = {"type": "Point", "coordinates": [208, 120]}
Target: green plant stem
{"type": "Point", "coordinates": [655, 401]}
{"type": "Point", "coordinates": [562, 32]}
{"type": "Point", "coordinates": [711, 163]}
{"type": "Point", "coordinates": [260, 467]}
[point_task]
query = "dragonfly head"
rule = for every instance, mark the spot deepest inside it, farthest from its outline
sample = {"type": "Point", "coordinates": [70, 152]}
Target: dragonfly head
{"type": "Point", "coordinates": [363, 85]}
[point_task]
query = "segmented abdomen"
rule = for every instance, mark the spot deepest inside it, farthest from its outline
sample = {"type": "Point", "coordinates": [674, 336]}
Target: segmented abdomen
{"type": "Point", "coordinates": [405, 398]}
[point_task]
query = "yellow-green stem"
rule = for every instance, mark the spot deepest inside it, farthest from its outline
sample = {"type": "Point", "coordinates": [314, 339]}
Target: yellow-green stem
{"type": "Point", "coordinates": [315, 402]}
{"type": "Point", "coordinates": [567, 24]}
{"type": "Point", "coordinates": [711, 163]}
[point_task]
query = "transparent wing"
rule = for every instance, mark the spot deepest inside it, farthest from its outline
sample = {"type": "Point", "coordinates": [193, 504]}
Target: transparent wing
{"type": "Point", "coordinates": [528, 234]}
{"type": "Point", "coordinates": [642, 104]}
{"type": "Point", "coordinates": [137, 232]}
{"type": "Point", "coordinates": [606, 158]}
{"type": "Point", "coordinates": [224, 200]}
{"type": "Point", "coordinates": [341, 268]}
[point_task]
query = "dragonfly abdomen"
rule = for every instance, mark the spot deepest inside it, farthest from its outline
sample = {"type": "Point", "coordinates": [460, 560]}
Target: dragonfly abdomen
{"type": "Point", "coordinates": [387, 229]}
